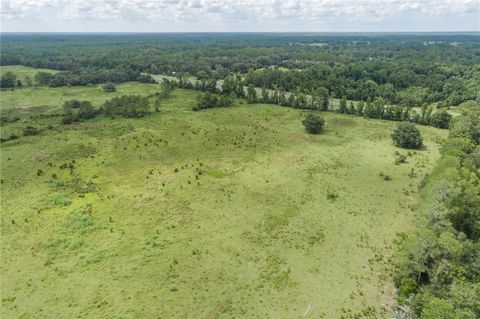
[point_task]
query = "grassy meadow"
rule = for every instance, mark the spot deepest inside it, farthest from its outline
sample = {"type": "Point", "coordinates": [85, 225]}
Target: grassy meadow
{"type": "Point", "coordinates": [223, 213]}
{"type": "Point", "coordinates": [22, 72]}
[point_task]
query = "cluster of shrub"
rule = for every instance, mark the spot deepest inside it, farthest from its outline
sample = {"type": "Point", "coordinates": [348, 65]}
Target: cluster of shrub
{"type": "Point", "coordinates": [9, 80]}
{"type": "Point", "coordinates": [438, 272]}
{"type": "Point", "coordinates": [319, 100]}
{"type": "Point", "coordinates": [28, 130]}
{"type": "Point", "coordinates": [77, 111]}
{"type": "Point", "coordinates": [133, 106]}
{"type": "Point", "coordinates": [210, 100]}
{"type": "Point", "coordinates": [130, 106]}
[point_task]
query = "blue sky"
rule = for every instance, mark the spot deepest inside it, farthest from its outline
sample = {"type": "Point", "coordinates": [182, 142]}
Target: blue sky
{"type": "Point", "coordinates": [239, 15]}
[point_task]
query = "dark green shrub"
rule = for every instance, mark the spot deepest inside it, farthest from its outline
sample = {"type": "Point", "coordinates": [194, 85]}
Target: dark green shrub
{"type": "Point", "coordinates": [43, 78]}
{"type": "Point", "coordinates": [75, 111]}
{"type": "Point", "coordinates": [440, 119]}
{"type": "Point", "coordinates": [109, 87]}
{"type": "Point", "coordinates": [407, 135]}
{"type": "Point", "coordinates": [8, 80]}
{"type": "Point", "coordinates": [210, 100]}
{"type": "Point", "coordinates": [400, 159]}
{"type": "Point", "coordinates": [127, 106]}
{"type": "Point", "coordinates": [30, 130]}
{"type": "Point", "coordinates": [313, 123]}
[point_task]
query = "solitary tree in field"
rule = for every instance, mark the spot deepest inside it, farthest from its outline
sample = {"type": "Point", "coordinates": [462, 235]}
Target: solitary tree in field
{"type": "Point", "coordinates": [265, 96]}
{"type": "Point", "coordinates": [291, 100]}
{"type": "Point", "coordinates": [313, 123]}
{"type": "Point", "coordinates": [167, 90]}
{"type": "Point", "coordinates": [351, 108]}
{"type": "Point", "coordinates": [282, 99]}
{"type": "Point", "coordinates": [320, 97]}
{"type": "Point", "coordinates": [343, 105]}
{"type": "Point", "coordinates": [157, 104]}
{"type": "Point", "coordinates": [407, 135]}
{"type": "Point", "coordinates": [325, 103]}
{"type": "Point", "coordinates": [228, 85]}
{"type": "Point", "coordinates": [251, 95]}
{"type": "Point", "coordinates": [360, 108]}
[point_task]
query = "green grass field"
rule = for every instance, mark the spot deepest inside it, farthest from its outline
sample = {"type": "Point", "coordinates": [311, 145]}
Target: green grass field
{"type": "Point", "coordinates": [23, 71]}
{"type": "Point", "coordinates": [224, 213]}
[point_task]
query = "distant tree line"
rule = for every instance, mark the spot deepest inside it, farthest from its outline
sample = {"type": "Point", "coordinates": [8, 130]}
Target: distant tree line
{"type": "Point", "coordinates": [86, 76]}
{"type": "Point", "coordinates": [233, 86]}
{"type": "Point", "coordinates": [408, 83]}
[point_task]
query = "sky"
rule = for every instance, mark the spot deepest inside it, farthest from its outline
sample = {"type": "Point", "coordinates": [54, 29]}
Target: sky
{"type": "Point", "coordinates": [239, 15]}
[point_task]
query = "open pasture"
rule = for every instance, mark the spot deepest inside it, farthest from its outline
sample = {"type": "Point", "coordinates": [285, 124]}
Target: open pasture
{"type": "Point", "coordinates": [223, 213]}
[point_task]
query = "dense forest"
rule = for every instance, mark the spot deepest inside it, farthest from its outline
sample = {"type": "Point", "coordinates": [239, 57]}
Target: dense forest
{"type": "Point", "coordinates": [407, 69]}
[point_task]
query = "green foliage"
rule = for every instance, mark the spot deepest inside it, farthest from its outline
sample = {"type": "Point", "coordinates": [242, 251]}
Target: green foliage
{"type": "Point", "coordinates": [43, 78]}
{"type": "Point", "coordinates": [109, 87]}
{"type": "Point", "coordinates": [313, 123]}
{"type": "Point", "coordinates": [399, 68]}
{"type": "Point", "coordinates": [30, 130]}
{"type": "Point", "coordinates": [251, 95]}
{"type": "Point", "coordinates": [437, 308]}
{"type": "Point", "coordinates": [75, 111]}
{"type": "Point", "coordinates": [127, 106]}
{"type": "Point", "coordinates": [80, 220]}
{"type": "Point", "coordinates": [408, 287]}
{"type": "Point", "coordinates": [407, 135]}
{"type": "Point", "coordinates": [202, 75]}
{"type": "Point", "coordinates": [209, 100]}
{"type": "Point", "coordinates": [8, 80]}
{"type": "Point", "coordinates": [414, 96]}
{"type": "Point", "coordinates": [145, 78]}
{"type": "Point", "coordinates": [439, 265]}
{"type": "Point", "coordinates": [343, 105]}
{"type": "Point", "coordinates": [57, 199]}
{"type": "Point", "coordinates": [400, 159]}
{"type": "Point", "coordinates": [440, 119]}
{"type": "Point", "coordinates": [230, 84]}
{"type": "Point", "coordinates": [166, 91]}
{"type": "Point", "coordinates": [467, 125]}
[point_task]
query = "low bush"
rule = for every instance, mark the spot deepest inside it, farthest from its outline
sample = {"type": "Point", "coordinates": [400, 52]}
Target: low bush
{"type": "Point", "coordinates": [30, 130]}
{"type": "Point", "coordinates": [109, 87]}
{"type": "Point", "coordinates": [313, 123]}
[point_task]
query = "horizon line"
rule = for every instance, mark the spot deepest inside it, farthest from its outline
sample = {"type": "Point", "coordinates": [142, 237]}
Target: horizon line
{"type": "Point", "coordinates": [223, 32]}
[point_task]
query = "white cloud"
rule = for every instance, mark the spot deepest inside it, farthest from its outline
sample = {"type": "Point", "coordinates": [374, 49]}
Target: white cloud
{"type": "Point", "coordinates": [11, 9]}
{"type": "Point", "coordinates": [239, 11]}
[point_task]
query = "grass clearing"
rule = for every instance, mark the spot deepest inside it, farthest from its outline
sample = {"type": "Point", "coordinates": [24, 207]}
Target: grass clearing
{"type": "Point", "coordinates": [22, 72]}
{"type": "Point", "coordinates": [223, 213]}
